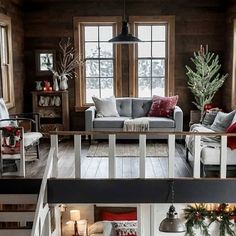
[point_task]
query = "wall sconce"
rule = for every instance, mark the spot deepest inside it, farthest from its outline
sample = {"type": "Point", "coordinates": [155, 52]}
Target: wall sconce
{"type": "Point", "coordinates": [75, 216]}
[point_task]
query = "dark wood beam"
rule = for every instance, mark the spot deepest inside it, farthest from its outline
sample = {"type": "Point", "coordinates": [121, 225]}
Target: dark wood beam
{"type": "Point", "coordinates": [20, 186]}
{"type": "Point", "coordinates": [140, 190]}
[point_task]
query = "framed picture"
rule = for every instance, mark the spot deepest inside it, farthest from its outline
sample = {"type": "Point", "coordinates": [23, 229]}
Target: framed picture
{"type": "Point", "coordinates": [45, 60]}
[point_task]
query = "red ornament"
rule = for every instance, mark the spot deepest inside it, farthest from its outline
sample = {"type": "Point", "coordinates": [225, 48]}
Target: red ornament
{"type": "Point", "coordinates": [197, 216]}
{"type": "Point", "coordinates": [208, 106]}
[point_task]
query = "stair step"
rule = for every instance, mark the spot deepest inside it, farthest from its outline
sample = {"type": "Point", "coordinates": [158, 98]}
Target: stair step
{"type": "Point", "coordinates": [18, 232]}
{"type": "Point", "coordinates": [17, 216]}
{"type": "Point", "coordinates": [18, 198]}
{"type": "Point", "coordinates": [17, 207]}
{"type": "Point", "coordinates": [15, 225]}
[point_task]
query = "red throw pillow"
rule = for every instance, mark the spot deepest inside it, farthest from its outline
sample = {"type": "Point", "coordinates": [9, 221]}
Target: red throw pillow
{"type": "Point", "coordinates": [231, 140]}
{"type": "Point", "coordinates": [163, 106]}
{"type": "Point", "coordinates": [105, 215]}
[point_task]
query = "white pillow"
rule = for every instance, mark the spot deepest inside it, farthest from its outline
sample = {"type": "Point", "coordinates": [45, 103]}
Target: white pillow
{"type": "Point", "coordinates": [95, 228]}
{"type": "Point", "coordinates": [105, 107]}
{"type": "Point", "coordinates": [222, 121]}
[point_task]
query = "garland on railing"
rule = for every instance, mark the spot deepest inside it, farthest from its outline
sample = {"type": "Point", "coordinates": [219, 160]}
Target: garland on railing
{"type": "Point", "coordinates": [197, 215]}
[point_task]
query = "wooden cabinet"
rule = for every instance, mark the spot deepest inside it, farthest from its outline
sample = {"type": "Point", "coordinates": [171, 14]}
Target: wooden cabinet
{"type": "Point", "coordinates": [53, 108]}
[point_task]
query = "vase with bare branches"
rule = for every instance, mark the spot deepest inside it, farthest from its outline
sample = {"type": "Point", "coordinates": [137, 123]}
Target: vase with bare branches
{"type": "Point", "coordinates": [69, 59]}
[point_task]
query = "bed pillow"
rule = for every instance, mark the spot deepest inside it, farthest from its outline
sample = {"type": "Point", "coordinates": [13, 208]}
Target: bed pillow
{"type": "Point", "coordinates": [105, 107]}
{"type": "Point", "coordinates": [222, 121]}
{"type": "Point", "coordinates": [125, 228]}
{"type": "Point", "coordinates": [95, 228]}
{"type": "Point", "coordinates": [163, 106]}
{"type": "Point", "coordinates": [231, 140]}
{"type": "Point", "coordinates": [106, 215]}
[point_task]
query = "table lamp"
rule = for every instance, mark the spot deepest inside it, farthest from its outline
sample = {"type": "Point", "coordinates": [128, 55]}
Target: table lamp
{"type": "Point", "coordinates": [75, 216]}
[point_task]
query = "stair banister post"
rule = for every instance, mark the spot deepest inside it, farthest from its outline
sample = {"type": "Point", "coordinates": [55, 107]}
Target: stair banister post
{"type": "Point", "coordinates": [54, 143]}
{"type": "Point", "coordinates": [77, 147]}
{"type": "Point", "coordinates": [171, 155]}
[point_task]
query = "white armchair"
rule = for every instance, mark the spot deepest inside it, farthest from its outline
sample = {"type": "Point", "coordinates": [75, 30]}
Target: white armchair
{"type": "Point", "coordinates": [28, 123]}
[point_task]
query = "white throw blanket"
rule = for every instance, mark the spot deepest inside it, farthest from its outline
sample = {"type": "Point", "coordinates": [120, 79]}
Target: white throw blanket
{"type": "Point", "coordinates": [138, 124]}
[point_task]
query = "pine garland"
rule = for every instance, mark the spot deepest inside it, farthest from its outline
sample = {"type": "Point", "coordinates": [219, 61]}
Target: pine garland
{"type": "Point", "coordinates": [196, 218]}
{"type": "Point", "coordinates": [223, 217]}
{"type": "Point", "coordinates": [205, 80]}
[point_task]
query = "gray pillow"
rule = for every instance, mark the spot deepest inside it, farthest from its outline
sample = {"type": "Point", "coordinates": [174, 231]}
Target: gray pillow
{"type": "Point", "coordinates": [222, 121]}
{"type": "Point", "coordinates": [209, 117]}
{"type": "Point", "coordinates": [105, 107]}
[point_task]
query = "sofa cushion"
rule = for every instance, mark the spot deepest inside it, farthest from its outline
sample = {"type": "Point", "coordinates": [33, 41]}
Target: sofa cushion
{"type": "Point", "coordinates": [140, 107]}
{"type": "Point", "coordinates": [105, 107]}
{"type": "Point", "coordinates": [222, 121]}
{"type": "Point", "coordinates": [106, 122]}
{"type": "Point", "coordinates": [124, 106]}
{"type": "Point", "coordinates": [163, 106]}
{"type": "Point", "coordinates": [161, 122]}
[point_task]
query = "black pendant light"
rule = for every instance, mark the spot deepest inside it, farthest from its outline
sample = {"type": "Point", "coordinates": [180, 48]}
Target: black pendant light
{"type": "Point", "coordinates": [172, 224]}
{"type": "Point", "coordinates": [124, 37]}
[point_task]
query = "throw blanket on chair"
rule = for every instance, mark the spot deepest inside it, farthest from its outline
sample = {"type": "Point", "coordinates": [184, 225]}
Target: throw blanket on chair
{"type": "Point", "coordinates": [138, 124]}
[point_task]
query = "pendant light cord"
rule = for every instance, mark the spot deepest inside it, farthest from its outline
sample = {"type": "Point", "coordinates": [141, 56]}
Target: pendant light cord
{"type": "Point", "coordinates": [124, 12]}
{"type": "Point", "coordinates": [172, 192]}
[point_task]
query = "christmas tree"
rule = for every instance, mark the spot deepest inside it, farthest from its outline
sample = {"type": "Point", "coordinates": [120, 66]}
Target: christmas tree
{"type": "Point", "coordinates": [205, 79]}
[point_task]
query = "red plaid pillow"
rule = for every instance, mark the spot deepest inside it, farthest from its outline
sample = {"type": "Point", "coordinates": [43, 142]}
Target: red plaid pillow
{"type": "Point", "coordinates": [125, 232]}
{"type": "Point", "coordinates": [231, 140]}
{"type": "Point", "coordinates": [163, 106]}
{"type": "Point", "coordinates": [125, 228]}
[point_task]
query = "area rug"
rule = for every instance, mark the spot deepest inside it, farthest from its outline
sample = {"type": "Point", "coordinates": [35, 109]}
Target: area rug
{"type": "Point", "coordinates": [128, 150]}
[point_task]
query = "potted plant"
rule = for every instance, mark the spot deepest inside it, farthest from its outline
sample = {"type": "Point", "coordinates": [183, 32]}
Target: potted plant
{"type": "Point", "coordinates": [204, 80]}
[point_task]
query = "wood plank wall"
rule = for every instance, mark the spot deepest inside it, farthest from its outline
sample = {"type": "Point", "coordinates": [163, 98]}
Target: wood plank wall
{"type": "Point", "coordinates": [228, 62]}
{"type": "Point", "coordinates": [197, 22]}
{"type": "Point", "coordinates": [13, 8]}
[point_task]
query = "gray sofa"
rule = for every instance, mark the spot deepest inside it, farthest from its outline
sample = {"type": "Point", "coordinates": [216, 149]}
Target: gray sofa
{"type": "Point", "coordinates": [129, 108]}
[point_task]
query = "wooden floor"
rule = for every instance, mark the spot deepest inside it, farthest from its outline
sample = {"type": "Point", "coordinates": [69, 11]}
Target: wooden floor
{"type": "Point", "coordinates": [97, 167]}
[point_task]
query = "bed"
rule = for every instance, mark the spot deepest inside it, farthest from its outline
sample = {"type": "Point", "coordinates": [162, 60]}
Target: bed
{"type": "Point", "coordinates": [114, 221]}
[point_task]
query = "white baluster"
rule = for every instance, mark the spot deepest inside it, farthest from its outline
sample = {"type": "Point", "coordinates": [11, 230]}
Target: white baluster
{"type": "Point", "coordinates": [142, 154]}
{"type": "Point", "coordinates": [223, 157]}
{"type": "Point", "coordinates": [197, 150]}
{"type": "Point", "coordinates": [112, 154]}
{"type": "Point", "coordinates": [171, 158]}
{"type": "Point", "coordinates": [77, 147]}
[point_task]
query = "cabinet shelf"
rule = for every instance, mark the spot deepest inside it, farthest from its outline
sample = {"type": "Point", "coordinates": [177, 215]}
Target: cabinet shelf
{"type": "Point", "coordinates": [51, 117]}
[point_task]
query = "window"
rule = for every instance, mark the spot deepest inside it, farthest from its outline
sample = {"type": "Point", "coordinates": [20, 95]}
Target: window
{"type": "Point", "coordinates": [6, 87]}
{"type": "Point", "coordinates": [99, 74]}
{"type": "Point", "coordinates": [153, 59]}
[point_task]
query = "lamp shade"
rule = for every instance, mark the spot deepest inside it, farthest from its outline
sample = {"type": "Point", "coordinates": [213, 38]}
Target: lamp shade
{"type": "Point", "coordinates": [172, 224]}
{"type": "Point", "coordinates": [125, 37]}
{"type": "Point", "coordinates": [75, 215]}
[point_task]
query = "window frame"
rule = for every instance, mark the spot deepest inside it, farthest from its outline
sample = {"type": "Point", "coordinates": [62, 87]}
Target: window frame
{"type": "Point", "coordinates": [7, 82]}
{"type": "Point", "coordinates": [169, 21]}
{"type": "Point", "coordinates": [80, 83]}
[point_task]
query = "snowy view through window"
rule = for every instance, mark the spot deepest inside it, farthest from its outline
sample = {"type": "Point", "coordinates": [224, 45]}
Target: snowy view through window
{"type": "Point", "coordinates": [151, 60]}
{"type": "Point", "coordinates": [99, 62]}
{"type": "Point", "coordinates": [99, 57]}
